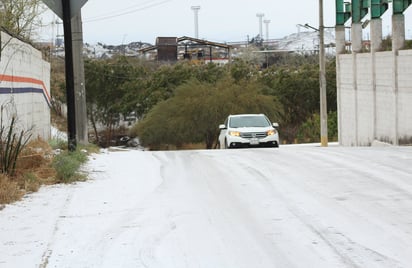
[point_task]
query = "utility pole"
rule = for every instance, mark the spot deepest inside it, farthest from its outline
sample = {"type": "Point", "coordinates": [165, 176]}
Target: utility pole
{"type": "Point", "coordinates": [79, 81]}
{"type": "Point", "coordinates": [322, 81]}
{"type": "Point", "coordinates": [196, 13]}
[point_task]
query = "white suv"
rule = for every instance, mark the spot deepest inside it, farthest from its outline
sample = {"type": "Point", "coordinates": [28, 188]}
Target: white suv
{"type": "Point", "coordinates": [248, 130]}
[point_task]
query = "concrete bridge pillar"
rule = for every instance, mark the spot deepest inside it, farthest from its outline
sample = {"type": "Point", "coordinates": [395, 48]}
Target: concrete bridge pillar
{"type": "Point", "coordinates": [356, 36]}
{"type": "Point", "coordinates": [398, 32]}
{"type": "Point", "coordinates": [376, 34]}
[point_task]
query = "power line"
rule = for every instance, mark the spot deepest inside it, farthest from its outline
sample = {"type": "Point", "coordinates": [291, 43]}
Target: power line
{"type": "Point", "coordinates": [123, 12]}
{"type": "Point", "coordinates": [127, 8]}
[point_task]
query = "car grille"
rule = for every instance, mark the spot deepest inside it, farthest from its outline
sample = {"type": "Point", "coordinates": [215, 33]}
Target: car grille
{"type": "Point", "coordinates": [250, 135]}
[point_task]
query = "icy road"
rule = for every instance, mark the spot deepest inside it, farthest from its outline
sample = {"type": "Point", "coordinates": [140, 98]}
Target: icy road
{"type": "Point", "coordinates": [259, 208]}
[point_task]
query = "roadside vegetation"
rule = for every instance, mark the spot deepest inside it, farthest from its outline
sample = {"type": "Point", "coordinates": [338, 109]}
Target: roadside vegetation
{"type": "Point", "coordinates": [32, 170]}
{"type": "Point", "coordinates": [178, 105]}
{"type": "Point", "coordinates": [198, 107]}
{"type": "Point", "coordinates": [26, 163]}
{"type": "Point", "coordinates": [40, 164]}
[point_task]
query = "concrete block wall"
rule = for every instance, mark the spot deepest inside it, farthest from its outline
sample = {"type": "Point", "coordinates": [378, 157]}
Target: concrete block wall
{"type": "Point", "coordinates": [25, 86]}
{"type": "Point", "coordinates": [374, 98]}
{"type": "Point", "coordinates": [404, 103]}
{"type": "Point", "coordinates": [385, 97]}
{"type": "Point", "coordinates": [347, 101]}
{"type": "Point", "coordinates": [365, 107]}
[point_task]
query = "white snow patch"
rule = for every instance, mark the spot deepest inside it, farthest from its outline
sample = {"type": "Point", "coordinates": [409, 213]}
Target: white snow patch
{"type": "Point", "coordinates": [296, 206]}
{"type": "Point", "coordinates": [377, 143]}
{"type": "Point", "coordinates": [57, 134]}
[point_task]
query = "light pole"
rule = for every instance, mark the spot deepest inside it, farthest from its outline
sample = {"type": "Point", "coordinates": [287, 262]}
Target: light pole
{"type": "Point", "coordinates": [322, 81]}
{"type": "Point", "coordinates": [322, 78]}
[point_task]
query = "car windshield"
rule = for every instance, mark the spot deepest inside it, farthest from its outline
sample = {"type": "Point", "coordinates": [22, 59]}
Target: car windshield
{"type": "Point", "coordinates": [248, 121]}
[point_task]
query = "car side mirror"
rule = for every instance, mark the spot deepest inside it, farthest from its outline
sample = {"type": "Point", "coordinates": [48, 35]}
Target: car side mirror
{"type": "Point", "coordinates": [275, 125]}
{"type": "Point", "coordinates": [222, 126]}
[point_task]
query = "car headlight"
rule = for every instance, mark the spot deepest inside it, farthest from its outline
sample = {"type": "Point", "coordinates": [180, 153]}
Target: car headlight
{"type": "Point", "coordinates": [234, 133]}
{"type": "Point", "coordinates": [271, 132]}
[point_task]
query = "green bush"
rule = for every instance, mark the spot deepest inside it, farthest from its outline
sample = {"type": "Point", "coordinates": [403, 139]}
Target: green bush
{"type": "Point", "coordinates": [194, 113]}
{"type": "Point", "coordinates": [58, 144]}
{"type": "Point", "coordinates": [309, 131]}
{"type": "Point", "coordinates": [67, 165]}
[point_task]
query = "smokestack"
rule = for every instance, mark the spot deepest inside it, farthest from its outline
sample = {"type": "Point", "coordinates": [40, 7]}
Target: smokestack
{"type": "Point", "coordinates": [196, 13]}
{"type": "Point", "coordinates": [260, 16]}
{"type": "Point", "coordinates": [267, 28]}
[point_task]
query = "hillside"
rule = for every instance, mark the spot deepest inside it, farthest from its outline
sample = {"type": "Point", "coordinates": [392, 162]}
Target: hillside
{"type": "Point", "coordinates": [301, 42]}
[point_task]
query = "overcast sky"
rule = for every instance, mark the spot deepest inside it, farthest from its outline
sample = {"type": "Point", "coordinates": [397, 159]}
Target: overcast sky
{"type": "Point", "coordinates": [124, 21]}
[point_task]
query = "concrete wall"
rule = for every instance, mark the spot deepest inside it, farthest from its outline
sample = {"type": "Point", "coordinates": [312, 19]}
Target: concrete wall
{"type": "Point", "coordinates": [404, 103]}
{"type": "Point", "coordinates": [25, 86]}
{"type": "Point", "coordinates": [375, 96]}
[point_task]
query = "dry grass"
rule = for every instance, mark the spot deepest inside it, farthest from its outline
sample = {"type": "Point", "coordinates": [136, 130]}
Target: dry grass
{"type": "Point", "coordinates": [9, 190]}
{"type": "Point", "coordinates": [36, 159]}
{"type": "Point", "coordinates": [33, 169]}
{"type": "Point", "coordinates": [186, 146]}
{"type": "Point", "coordinates": [58, 121]}
{"type": "Point", "coordinates": [193, 146]}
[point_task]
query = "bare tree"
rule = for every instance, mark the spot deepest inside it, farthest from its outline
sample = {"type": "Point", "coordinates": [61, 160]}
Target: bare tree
{"type": "Point", "coordinates": [21, 17]}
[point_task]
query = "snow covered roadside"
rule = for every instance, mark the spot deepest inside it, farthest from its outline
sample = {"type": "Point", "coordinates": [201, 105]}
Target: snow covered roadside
{"type": "Point", "coordinates": [57, 134]}
{"type": "Point", "coordinates": [286, 207]}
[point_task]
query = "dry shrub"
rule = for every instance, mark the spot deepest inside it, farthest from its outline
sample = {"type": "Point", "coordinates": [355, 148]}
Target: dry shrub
{"type": "Point", "coordinates": [37, 165]}
{"type": "Point", "coordinates": [171, 147]}
{"type": "Point", "coordinates": [193, 146]}
{"type": "Point", "coordinates": [9, 190]}
{"type": "Point", "coordinates": [32, 170]}
{"type": "Point", "coordinates": [31, 183]}
{"type": "Point", "coordinates": [36, 159]}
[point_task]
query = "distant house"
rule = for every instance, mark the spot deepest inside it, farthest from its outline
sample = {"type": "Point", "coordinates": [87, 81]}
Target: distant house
{"type": "Point", "coordinates": [24, 86]}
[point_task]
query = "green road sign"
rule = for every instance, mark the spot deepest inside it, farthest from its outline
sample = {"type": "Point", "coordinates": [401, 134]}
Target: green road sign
{"type": "Point", "coordinates": [359, 10]}
{"type": "Point", "coordinates": [378, 7]}
{"type": "Point", "coordinates": [399, 6]}
{"type": "Point", "coordinates": [343, 12]}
